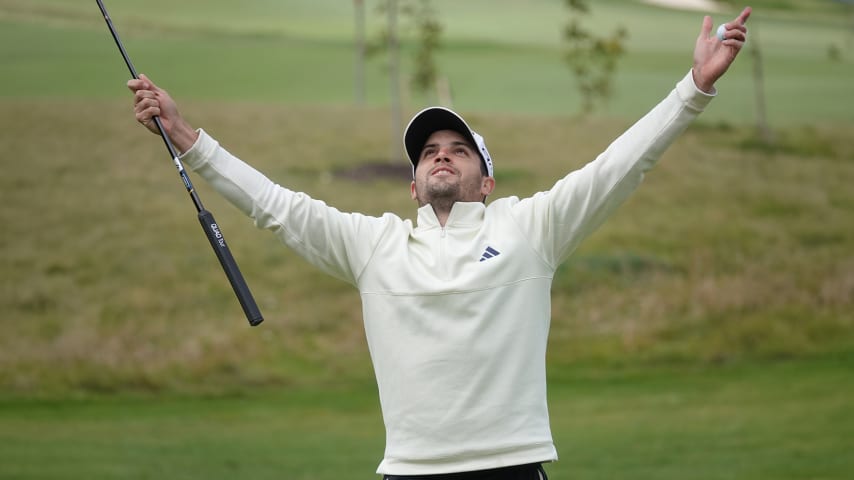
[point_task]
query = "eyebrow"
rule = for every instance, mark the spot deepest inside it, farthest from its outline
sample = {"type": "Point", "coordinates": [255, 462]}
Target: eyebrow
{"type": "Point", "coordinates": [455, 143]}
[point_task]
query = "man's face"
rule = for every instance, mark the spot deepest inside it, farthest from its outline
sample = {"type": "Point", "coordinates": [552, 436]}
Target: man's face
{"type": "Point", "coordinates": [448, 171]}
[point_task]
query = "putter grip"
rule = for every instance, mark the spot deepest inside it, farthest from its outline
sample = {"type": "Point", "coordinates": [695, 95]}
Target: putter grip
{"type": "Point", "coordinates": [247, 301]}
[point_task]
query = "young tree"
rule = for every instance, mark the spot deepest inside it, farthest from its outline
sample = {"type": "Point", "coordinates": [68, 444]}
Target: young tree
{"type": "Point", "coordinates": [762, 125]}
{"type": "Point", "coordinates": [428, 32]}
{"type": "Point", "coordinates": [361, 51]}
{"type": "Point", "coordinates": [394, 81]}
{"type": "Point", "coordinates": [592, 59]}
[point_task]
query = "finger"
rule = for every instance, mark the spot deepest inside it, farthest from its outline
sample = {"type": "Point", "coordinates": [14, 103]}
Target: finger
{"type": "Point", "coordinates": [141, 95]}
{"type": "Point", "coordinates": [739, 33]}
{"type": "Point", "coordinates": [735, 44]}
{"type": "Point", "coordinates": [743, 16]}
{"type": "Point", "coordinates": [734, 27]}
{"type": "Point", "coordinates": [145, 110]}
{"type": "Point", "coordinates": [739, 21]}
{"type": "Point", "coordinates": [146, 102]}
{"type": "Point", "coordinates": [733, 30]}
{"type": "Point", "coordinates": [149, 84]}
{"type": "Point", "coordinates": [736, 34]}
{"type": "Point", "coordinates": [144, 115]}
{"type": "Point", "coordinates": [135, 84]}
{"type": "Point", "coordinates": [706, 29]}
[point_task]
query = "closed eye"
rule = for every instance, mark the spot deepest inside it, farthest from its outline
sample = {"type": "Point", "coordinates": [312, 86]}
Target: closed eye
{"type": "Point", "coordinates": [461, 149]}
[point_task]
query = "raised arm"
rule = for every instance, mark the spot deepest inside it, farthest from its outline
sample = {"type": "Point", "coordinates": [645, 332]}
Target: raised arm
{"type": "Point", "coordinates": [559, 219]}
{"type": "Point", "coordinates": [338, 243]}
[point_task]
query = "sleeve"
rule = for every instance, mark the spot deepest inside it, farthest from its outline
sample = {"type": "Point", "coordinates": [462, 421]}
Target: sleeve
{"type": "Point", "coordinates": [338, 243]}
{"type": "Point", "coordinates": [559, 219]}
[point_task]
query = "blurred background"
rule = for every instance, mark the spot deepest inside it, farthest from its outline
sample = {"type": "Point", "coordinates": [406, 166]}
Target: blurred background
{"type": "Point", "coordinates": [707, 329]}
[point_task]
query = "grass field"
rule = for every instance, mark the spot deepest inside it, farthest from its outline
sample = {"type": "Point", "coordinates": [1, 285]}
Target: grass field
{"type": "Point", "coordinates": [301, 52]}
{"type": "Point", "coordinates": [705, 331]}
{"type": "Point", "coordinates": [780, 420]}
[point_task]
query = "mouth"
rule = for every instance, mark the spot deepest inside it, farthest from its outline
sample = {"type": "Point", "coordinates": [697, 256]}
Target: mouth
{"type": "Point", "coordinates": [443, 171]}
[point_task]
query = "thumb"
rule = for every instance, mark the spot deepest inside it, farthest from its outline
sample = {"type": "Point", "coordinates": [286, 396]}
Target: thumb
{"type": "Point", "coordinates": [148, 84]}
{"type": "Point", "coordinates": [706, 31]}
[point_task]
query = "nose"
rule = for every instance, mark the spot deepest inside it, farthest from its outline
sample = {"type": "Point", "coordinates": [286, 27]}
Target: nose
{"type": "Point", "coordinates": [442, 155]}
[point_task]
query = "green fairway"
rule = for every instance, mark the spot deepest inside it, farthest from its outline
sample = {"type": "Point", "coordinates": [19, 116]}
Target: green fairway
{"type": "Point", "coordinates": [779, 420]}
{"type": "Point", "coordinates": [706, 331]}
{"type": "Point", "coordinates": [301, 52]}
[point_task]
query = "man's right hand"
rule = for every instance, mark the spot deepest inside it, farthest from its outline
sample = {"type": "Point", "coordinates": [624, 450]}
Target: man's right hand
{"type": "Point", "coordinates": [150, 101]}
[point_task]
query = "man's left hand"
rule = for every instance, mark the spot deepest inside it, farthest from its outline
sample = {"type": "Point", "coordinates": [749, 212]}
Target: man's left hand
{"type": "Point", "coordinates": [713, 56]}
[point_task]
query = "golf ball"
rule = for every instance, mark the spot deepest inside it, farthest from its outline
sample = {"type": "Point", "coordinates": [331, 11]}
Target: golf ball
{"type": "Point", "coordinates": [721, 32]}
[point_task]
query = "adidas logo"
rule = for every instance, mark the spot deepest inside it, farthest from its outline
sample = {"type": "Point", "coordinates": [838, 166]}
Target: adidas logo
{"type": "Point", "coordinates": [489, 253]}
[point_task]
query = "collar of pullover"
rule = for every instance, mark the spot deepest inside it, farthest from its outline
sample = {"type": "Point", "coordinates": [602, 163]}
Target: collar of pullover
{"type": "Point", "coordinates": [462, 213]}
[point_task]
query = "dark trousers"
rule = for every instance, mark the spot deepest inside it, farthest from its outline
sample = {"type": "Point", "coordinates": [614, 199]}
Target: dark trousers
{"type": "Point", "coordinates": [533, 471]}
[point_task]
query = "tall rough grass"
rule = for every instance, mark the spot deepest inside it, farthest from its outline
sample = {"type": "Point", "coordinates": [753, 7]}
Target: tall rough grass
{"type": "Point", "coordinates": [727, 252]}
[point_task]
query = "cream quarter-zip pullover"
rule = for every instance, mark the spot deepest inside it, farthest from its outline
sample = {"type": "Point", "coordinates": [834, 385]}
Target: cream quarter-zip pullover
{"type": "Point", "coordinates": [457, 317]}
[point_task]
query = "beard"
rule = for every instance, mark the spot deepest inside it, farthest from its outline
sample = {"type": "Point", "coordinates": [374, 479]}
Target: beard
{"type": "Point", "coordinates": [442, 195]}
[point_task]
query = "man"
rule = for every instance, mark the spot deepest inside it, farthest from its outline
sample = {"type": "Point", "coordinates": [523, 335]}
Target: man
{"type": "Point", "coordinates": [456, 308]}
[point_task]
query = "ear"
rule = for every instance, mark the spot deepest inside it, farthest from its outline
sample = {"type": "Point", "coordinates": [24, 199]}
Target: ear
{"type": "Point", "coordinates": [487, 186]}
{"type": "Point", "coordinates": [412, 190]}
